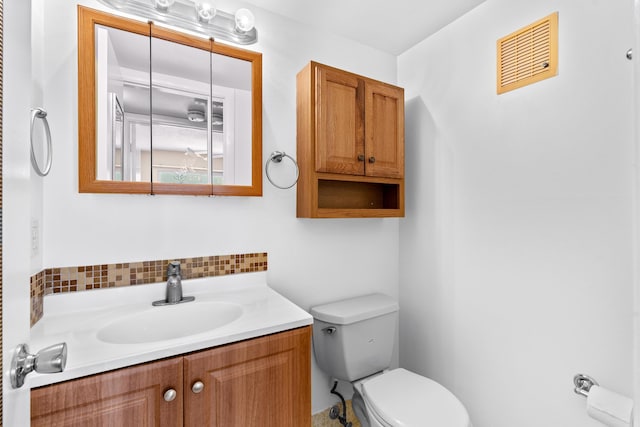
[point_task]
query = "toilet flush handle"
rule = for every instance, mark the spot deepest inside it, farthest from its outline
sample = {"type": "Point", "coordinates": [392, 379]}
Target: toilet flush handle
{"type": "Point", "coordinates": [329, 330]}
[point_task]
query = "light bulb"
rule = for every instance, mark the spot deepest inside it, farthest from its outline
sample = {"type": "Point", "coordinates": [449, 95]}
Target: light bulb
{"type": "Point", "coordinates": [163, 4]}
{"type": "Point", "coordinates": [244, 20]}
{"type": "Point", "coordinates": [206, 10]}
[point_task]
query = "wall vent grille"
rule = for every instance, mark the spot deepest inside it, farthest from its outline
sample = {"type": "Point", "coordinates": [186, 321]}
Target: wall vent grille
{"type": "Point", "coordinates": [528, 55]}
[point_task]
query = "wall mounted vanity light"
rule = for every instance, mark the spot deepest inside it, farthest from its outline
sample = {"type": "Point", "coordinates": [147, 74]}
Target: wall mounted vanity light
{"type": "Point", "coordinates": [163, 5]}
{"type": "Point", "coordinates": [244, 20]}
{"type": "Point", "coordinates": [200, 16]}
{"type": "Point", "coordinates": [206, 11]}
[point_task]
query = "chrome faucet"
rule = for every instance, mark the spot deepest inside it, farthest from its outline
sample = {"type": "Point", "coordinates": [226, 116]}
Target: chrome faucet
{"type": "Point", "coordinates": [174, 286]}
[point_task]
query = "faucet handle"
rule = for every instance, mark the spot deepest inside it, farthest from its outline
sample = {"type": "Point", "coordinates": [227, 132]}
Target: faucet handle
{"type": "Point", "coordinates": [173, 268]}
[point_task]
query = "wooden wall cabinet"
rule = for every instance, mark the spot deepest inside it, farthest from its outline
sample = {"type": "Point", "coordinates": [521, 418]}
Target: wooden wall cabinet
{"type": "Point", "coordinates": [262, 382]}
{"type": "Point", "coordinates": [350, 142]}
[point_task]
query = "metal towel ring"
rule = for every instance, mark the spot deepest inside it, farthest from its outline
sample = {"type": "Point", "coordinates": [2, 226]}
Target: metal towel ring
{"type": "Point", "coordinates": [40, 113]}
{"type": "Point", "coordinates": [276, 157]}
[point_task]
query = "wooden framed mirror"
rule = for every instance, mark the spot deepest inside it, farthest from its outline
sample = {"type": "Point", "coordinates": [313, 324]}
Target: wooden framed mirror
{"type": "Point", "coordinates": [162, 112]}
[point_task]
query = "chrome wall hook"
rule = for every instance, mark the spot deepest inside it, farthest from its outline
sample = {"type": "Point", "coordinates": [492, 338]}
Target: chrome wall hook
{"type": "Point", "coordinates": [583, 384]}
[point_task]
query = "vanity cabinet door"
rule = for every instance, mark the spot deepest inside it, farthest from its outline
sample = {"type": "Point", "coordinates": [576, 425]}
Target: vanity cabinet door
{"type": "Point", "coordinates": [126, 397]}
{"type": "Point", "coordinates": [263, 382]}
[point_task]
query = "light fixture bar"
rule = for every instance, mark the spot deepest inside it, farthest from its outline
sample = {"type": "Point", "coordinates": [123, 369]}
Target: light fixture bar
{"type": "Point", "coordinates": [183, 14]}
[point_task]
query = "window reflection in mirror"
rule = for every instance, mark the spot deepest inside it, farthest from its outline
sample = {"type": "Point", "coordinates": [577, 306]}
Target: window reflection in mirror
{"type": "Point", "coordinates": [173, 113]}
{"type": "Point", "coordinates": [115, 138]}
{"type": "Point", "coordinates": [181, 87]}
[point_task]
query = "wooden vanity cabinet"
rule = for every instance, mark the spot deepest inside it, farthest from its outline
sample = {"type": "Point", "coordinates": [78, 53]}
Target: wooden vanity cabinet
{"type": "Point", "coordinates": [350, 142]}
{"type": "Point", "coordinates": [126, 397]}
{"type": "Point", "coordinates": [256, 383]}
{"type": "Point", "coordinates": [262, 382]}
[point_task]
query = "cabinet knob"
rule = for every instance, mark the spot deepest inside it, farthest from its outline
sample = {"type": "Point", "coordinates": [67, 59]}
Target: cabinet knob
{"type": "Point", "coordinates": [169, 395]}
{"type": "Point", "coordinates": [372, 159]}
{"type": "Point", "coordinates": [361, 157]}
{"type": "Point", "coordinates": [197, 387]}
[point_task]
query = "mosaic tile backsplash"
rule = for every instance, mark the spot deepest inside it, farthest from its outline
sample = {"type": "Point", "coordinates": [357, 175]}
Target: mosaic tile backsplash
{"type": "Point", "coordinates": [88, 277]}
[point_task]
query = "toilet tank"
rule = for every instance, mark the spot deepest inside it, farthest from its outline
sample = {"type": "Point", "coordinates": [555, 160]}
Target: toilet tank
{"type": "Point", "coordinates": [354, 338]}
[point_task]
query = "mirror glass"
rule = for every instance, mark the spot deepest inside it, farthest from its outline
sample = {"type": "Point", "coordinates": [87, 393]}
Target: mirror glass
{"type": "Point", "coordinates": [180, 102]}
{"type": "Point", "coordinates": [122, 94]}
{"type": "Point", "coordinates": [173, 113]}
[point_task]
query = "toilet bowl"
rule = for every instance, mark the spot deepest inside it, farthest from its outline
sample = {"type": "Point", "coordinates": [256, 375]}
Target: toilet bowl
{"type": "Point", "coordinates": [403, 398]}
{"type": "Point", "coordinates": [353, 341]}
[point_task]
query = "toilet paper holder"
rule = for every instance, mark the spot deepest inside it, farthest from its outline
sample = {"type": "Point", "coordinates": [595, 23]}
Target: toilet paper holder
{"type": "Point", "coordinates": [583, 384]}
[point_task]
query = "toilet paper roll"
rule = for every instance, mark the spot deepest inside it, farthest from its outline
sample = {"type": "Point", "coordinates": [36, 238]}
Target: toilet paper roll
{"type": "Point", "coordinates": [610, 408]}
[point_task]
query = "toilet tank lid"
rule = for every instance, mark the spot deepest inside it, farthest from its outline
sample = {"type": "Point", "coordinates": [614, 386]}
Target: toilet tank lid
{"type": "Point", "coordinates": [355, 309]}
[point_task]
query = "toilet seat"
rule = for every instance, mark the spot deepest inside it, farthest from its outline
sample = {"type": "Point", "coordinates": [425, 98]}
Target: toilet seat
{"type": "Point", "coordinates": [400, 398]}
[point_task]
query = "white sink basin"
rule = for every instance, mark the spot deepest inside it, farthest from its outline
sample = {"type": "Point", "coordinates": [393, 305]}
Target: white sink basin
{"type": "Point", "coordinates": [113, 328]}
{"type": "Point", "coordinates": [169, 322]}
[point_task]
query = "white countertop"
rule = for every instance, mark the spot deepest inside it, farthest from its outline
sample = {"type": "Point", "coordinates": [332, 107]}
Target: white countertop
{"type": "Point", "coordinates": [76, 318]}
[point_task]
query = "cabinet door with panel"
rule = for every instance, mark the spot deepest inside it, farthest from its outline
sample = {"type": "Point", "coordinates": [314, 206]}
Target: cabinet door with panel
{"type": "Point", "coordinates": [384, 124]}
{"type": "Point", "coordinates": [256, 383]}
{"type": "Point", "coordinates": [264, 382]}
{"type": "Point", "coordinates": [360, 125]}
{"type": "Point", "coordinates": [340, 122]}
{"type": "Point", "coordinates": [144, 395]}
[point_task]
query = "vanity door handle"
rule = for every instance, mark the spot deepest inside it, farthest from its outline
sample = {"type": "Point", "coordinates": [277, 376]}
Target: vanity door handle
{"type": "Point", "coordinates": [372, 159]}
{"type": "Point", "coordinates": [197, 387]}
{"type": "Point", "coordinates": [361, 157]}
{"type": "Point", "coordinates": [169, 395]}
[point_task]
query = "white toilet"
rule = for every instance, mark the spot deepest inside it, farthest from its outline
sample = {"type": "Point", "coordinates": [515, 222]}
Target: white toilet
{"type": "Point", "coordinates": [353, 341]}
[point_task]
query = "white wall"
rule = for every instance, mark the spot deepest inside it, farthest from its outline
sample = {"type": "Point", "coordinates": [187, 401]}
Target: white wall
{"type": "Point", "coordinates": [310, 261]}
{"type": "Point", "coordinates": [636, 95]}
{"type": "Point", "coordinates": [16, 199]}
{"type": "Point", "coordinates": [516, 251]}
{"type": "Point", "coordinates": [36, 100]}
